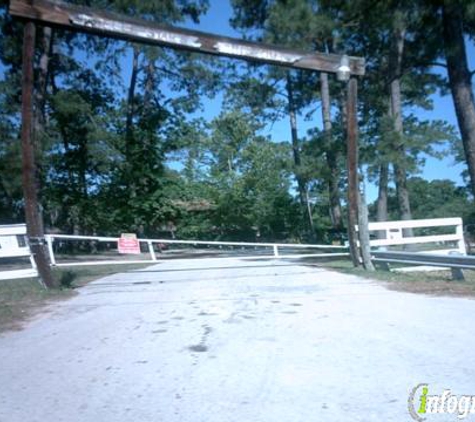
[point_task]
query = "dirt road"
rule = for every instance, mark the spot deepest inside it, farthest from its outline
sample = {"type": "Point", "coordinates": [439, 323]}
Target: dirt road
{"type": "Point", "coordinates": [218, 340]}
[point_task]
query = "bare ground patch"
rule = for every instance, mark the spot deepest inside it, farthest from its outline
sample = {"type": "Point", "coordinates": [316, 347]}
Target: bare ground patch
{"type": "Point", "coordinates": [436, 287]}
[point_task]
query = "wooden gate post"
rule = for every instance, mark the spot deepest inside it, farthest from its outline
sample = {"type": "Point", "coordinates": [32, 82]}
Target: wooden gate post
{"type": "Point", "coordinates": [32, 215]}
{"type": "Point", "coordinates": [352, 167]}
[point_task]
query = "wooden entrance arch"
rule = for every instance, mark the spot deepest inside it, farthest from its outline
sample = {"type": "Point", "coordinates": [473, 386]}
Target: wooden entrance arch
{"type": "Point", "coordinates": [87, 20]}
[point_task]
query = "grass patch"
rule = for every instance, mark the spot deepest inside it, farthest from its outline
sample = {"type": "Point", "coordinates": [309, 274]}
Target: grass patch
{"type": "Point", "coordinates": [431, 282]}
{"type": "Point", "coordinates": [20, 299]}
{"type": "Point", "coordinates": [23, 298]}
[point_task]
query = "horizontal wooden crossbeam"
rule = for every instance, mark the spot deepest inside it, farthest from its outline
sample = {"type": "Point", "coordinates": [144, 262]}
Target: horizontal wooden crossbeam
{"type": "Point", "coordinates": [82, 19]}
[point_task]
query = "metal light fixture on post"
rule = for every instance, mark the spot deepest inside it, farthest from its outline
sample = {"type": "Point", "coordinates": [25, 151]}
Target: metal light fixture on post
{"type": "Point", "coordinates": [343, 72]}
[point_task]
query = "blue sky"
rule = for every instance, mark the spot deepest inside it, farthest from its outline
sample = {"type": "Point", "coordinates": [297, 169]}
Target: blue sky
{"type": "Point", "coordinates": [217, 21]}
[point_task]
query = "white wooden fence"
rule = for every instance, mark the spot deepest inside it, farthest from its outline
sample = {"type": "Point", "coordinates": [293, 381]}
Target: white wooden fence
{"type": "Point", "coordinates": [394, 234]}
{"type": "Point", "coordinates": [13, 245]}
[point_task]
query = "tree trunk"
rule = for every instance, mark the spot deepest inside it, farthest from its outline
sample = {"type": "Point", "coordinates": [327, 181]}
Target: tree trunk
{"type": "Point", "coordinates": [129, 130]}
{"type": "Point", "coordinates": [130, 143]}
{"type": "Point", "coordinates": [40, 105]}
{"type": "Point", "coordinates": [149, 85]}
{"type": "Point", "coordinates": [336, 214]}
{"type": "Point", "coordinates": [460, 81]}
{"type": "Point", "coordinates": [301, 184]}
{"type": "Point", "coordinates": [331, 156]}
{"type": "Point", "coordinates": [42, 80]}
{"type": "Point", "coordinates": [357, 209]}
{"type": "Point", "coordinates": [402, 193]}
{"type": "Point", "coordinates": [382, 203]}
{"type": "Point", "coordinates": [83, 185]}
{"type": "Point", "coordinates": [148, 108]}
{"type": "Point", "coordinates": [363, 231]}
{"type": "Point", "coordinates": [399, 33]}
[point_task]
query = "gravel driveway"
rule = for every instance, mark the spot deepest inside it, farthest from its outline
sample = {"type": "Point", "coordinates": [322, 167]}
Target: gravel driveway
{"type": "Point", "coordinates": [218, 340]}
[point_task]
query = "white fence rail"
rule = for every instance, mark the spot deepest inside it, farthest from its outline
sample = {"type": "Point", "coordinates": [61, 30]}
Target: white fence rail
{"type": "Point", "coordinates": [271, 250]}
{"type": "Point", "coordinates": [394, 233]}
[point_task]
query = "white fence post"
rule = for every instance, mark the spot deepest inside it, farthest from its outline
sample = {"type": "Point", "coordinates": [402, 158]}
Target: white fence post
{"type": "Point", "coordinates": [49, 241]}
{"type": "Point", "coordinates": [461, 242]}
{"type": "Point", "coordinates": [276, 251]}
{"type": "Point", "coordinates": [151, 250]}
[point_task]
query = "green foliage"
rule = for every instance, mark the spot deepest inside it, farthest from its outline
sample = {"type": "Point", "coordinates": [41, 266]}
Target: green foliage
{"type": "Point", "coordinates": [438, 199]}
{"type": "Point", "coordinates": [238, 186]}
{"type": "Point", "coordinates": [433, 199]}
{"type": "Point", "coordinates": [249, 13]}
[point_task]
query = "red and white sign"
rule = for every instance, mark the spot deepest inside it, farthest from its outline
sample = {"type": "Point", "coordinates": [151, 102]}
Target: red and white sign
{"type": "Point", "coordinates": [129, 244]}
